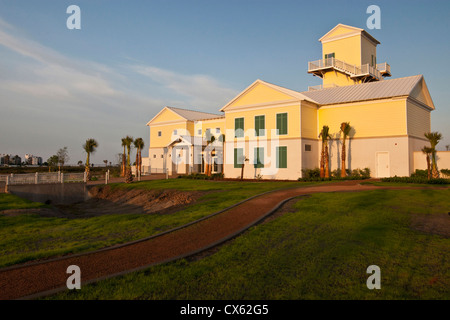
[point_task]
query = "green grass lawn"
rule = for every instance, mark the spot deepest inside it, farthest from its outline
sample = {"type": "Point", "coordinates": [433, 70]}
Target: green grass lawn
{"type": "Point", "coordinates": [320, 250]}
{"type": "Point", "coordinates": [10, 202]}
{"type": "Point", "coordinates": [30, 236]}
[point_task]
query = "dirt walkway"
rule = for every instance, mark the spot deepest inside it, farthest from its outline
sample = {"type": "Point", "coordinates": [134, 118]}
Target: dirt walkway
{"type": "Point", "coordinates": [50, 276]}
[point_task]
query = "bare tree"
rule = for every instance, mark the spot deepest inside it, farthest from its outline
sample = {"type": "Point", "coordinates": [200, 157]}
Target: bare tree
{"type": "Point", "coordinates": [63, 157]}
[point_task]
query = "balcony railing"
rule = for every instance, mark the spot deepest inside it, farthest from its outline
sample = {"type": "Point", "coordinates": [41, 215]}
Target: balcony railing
{"type": "Point", "coordinates": [352, 70]}
{"type": "Point", "coordinates": [384, 68]}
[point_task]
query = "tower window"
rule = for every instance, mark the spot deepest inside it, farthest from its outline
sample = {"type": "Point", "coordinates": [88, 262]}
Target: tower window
{"type": "Point", "coordinates": [329, 55]}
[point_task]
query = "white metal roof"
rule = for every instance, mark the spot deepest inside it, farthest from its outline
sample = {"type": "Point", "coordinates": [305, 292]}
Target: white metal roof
{"type": "Point", "coordinates": [194, 115]}
{"type": "Point", "coordinates": [365, 91]}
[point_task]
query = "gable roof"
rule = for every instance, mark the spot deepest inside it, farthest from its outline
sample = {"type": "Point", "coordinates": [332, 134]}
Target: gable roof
{"type": "Point", "coordinates": [188, 115]}
{"type": "Point", "coordinates": [351, 32]}
{"type": "Point", "coordinates": [193, 115]}
{"type": "Point", "coordinates": [294, 94]}
{"type": "Point", "coordinates": [371, 91]}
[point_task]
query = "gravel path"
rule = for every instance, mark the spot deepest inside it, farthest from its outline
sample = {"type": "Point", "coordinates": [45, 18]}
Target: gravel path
{"type": "Point", "coordinates": [31, 280]}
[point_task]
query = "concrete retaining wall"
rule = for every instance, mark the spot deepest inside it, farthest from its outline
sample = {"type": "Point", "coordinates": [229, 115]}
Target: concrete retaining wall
{"type": "Point", "coordinates": [58, 193]}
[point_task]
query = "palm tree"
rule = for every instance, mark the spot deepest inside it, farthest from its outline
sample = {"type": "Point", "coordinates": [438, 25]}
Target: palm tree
{"type": "Point", "coordinates": [345, 129]}
{"type": "Point", "coordinates": [433, 138]}
{"type": "Point", "coordinates": [243, 159]}
{"type": "Point", "coordinates": [124, 159]}
{"type": "Point", "coordinates": [138, 144]}
{"type": "Point", "coordinates": [209, 155]}
{"type": "Point", "coordinates": [128, 176]}
{"type": "Point", "coordinates": [428, 151]}
{"type": "Point", "coordinates": [89, 146]}
{"type": "Point", "coordinates": [324, 160]}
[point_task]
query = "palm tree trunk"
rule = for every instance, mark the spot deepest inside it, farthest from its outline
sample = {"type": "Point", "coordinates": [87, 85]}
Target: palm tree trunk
{"type": "Point", "coordinates": [428, 166]}
{"type": "Point", "coordinates": [322, 162]}
{"type": "Point", "coordinates": [343, 173]}
{"type": "Point", "coordinates": [242, 172]}
{"type": "Point", "coordinates": [137, 163]}
{"type": "Point", "coordinates": [327, 162]}
{"type": "Point", "coordinates": [87, 168]}
{"type": "Point", "coordinates": [140, 162]}
{"type": "Point", "coordinates": [123, 163]}
{"type": "Point", "coordinates": [434, 170]}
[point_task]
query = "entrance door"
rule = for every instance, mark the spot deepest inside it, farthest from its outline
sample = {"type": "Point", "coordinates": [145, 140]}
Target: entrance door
{"type": "Point", "coordinates": [383, 169]}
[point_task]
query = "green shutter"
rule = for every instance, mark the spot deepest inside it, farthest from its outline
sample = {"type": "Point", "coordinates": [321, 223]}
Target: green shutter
{"type": "Point", "coordinates": [260, 126]}
{"type": "Point", "coordinates": [282, 157]}
{"type": "Point", "coordinates": [239, 124]}
{"type": "Point", "coordinates": [282, 123]}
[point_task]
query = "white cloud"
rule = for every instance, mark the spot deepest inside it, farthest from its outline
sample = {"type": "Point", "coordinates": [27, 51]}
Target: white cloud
{"type": "Point", "coordinates": [50, 100]}
{"type": "Point", "coordinates": [202, 91]}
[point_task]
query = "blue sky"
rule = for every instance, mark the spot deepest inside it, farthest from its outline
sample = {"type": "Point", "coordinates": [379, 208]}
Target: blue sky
{"type": "Point", "coordinates": [59, 87]}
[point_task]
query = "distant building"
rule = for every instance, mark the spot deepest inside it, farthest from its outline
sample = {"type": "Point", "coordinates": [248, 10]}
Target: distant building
{"type": "Point", "coordinates": [7, 159]}
{"type": "Point", "coordinates": [33, 160]}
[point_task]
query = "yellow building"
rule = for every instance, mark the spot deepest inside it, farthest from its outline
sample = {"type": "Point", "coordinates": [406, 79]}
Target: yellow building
{"type": "Point", "coordinates": [277, 129]}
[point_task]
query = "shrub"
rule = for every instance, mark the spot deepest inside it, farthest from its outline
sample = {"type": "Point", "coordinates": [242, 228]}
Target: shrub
{"type": "Point", "coordinates": [199, 176]}
{"type": "Point", "coordinates": [420, 174]}
{"type": "Point", "coordinates": [314, 175]}
{"type": "Point", "coordinates": [311, 173]}
{"type": "Point", "coordinates": [445, 172]}
{"type": "Point", "coordinates": [419, 180]}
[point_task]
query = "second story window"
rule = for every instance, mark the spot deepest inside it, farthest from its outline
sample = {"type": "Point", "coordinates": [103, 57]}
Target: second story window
{"type": "Point", "coordinates": [238, 127]}
{"type": "Point", "coordinates": [175, 132]}
{"type": "Point", "coordinates": [282, 123]}
{"type": "Point", "coordinates": [260, 126]}
{"type": "Point", "coordinates": [159, 133]}
{"type": "Point", "coordinates": [217, 130]}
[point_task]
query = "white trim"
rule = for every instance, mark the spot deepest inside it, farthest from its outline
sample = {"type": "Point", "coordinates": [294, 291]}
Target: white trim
{"type": "Point", "coordinates": [297, 96]}
{"type": "Point", "coordinates": [159, 113]}
{"type": "Point", "coordinates": [264, 106]}
{"type": "Point", "coordinates": [162, 124]}
{"type": "Point", "coordinates": [358, 103]}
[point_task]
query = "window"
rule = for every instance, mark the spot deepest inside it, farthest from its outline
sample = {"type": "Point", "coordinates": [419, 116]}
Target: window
{"type": "Point", "coordinates": [217, 130]}
{"type": "Point", "coordinates": [238, 127]}
{"type": "Point", "coordinates": [162, 156]}
{"type": "Point", "coordinates": [175, 132]}
{"type": "Point", "coordinates": [307, 147]}
{"type": "Point", "coordinates": [329, 55]}
{"type": "Point", "coordinates": [154, 156]}
{"type": "Point", "coordinates": [159, 133]}
{"type": "Point", "coordinates": [282, 123]}
{"type": "Point", "coordinates": [260, 126]}
{"type": "Point", "coordinates": [282, 157]}
{"type": "Point", "coordinates": [238, 157]}
{"type": "Point", "coordinates": [258, 160]}
{"type": "Point", "coordinates": [208, 134]}
{"type": "Point", "coordinates": [199, 132]}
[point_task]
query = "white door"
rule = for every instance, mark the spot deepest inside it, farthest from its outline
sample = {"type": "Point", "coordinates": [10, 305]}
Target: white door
{"type": "Point", "coordinates": [383, 169]}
